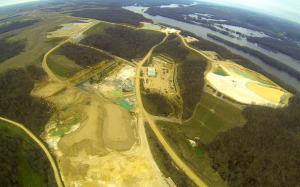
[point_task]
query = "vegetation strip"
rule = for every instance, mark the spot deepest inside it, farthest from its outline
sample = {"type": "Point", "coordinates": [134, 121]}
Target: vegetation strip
{"type": "Point", "coordinates": [54, 166]}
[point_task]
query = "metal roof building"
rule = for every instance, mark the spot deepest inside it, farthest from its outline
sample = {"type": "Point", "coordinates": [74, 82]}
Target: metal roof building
{"type": "Point", "coordinates": [151, 72]}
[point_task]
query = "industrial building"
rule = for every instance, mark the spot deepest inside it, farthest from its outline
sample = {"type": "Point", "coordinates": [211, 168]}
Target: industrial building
{"type": "Point", "coordinates": [151, 72]}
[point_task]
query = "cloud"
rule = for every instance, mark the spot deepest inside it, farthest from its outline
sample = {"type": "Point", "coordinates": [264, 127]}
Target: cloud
{"type": "Point", "coordinates": [10, 2]}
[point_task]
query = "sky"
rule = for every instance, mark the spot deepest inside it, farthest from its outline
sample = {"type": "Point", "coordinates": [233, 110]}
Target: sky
{"type": "Point", "coordinates": [287, 9]}
{"type": "Point", "coordinates": [10, 2]}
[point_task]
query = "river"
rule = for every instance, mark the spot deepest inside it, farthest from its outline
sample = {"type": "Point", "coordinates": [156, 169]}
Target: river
{"type": "Point", "coordinates": [202, 31]}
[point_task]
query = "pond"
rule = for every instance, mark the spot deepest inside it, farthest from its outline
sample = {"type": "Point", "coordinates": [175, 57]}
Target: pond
{"type": "Point", "coordinates": [220, 71]}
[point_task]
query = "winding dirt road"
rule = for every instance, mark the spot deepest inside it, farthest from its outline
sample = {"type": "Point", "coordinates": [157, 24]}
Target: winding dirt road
{"type": "Point", "coordinates": [32, 136]}
{"type": "Point", "coordinates": [157, 132]}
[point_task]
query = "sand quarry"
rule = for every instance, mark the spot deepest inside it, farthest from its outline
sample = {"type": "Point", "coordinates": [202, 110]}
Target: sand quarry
{"type": "Point", "coordinates": [245, 86]}
{"type": "Point", "coordinates": [70, 29]}
{"type": "Point", "coordinates": [95, 141]}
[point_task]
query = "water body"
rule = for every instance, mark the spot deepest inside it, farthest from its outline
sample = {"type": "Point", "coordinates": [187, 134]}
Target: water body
{"type": "Point", "coordinates": [202, 31]}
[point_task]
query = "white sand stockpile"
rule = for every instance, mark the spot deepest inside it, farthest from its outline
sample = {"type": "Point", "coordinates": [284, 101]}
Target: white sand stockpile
{"type": "Point", "coordinates": [235, 87]}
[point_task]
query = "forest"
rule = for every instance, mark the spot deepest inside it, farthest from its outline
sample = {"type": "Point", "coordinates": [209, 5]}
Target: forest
{"type": "Point", "coordinates": [124, 42]}
{"type": "Point", "coordinates": [173, 47]}
{"type": "Point", "coordinates": [266, 59]}
{"type": "Point", "coordinates": [264, 152]}
{"type": "Point", "coordinates": [83, 56]}
{"type": "Point", "coordinates": [114, 15]}
{"type": "Point", "coordinates": [286, 47]}
{"type": "Point", "coordinates": [17, 156]}
{"type": "Point", "coordinates": [10, 49]}
{"type": "Point", "coordinates": [17, 104]}
{"type": "Point", "coordinates": [157, 104]}
{"type": "Point", "coordinates": [227, 54]}
{"type": "Point", "coordinates": [17, 25]}
{"type": "Point", "coordinates": [192, 74]}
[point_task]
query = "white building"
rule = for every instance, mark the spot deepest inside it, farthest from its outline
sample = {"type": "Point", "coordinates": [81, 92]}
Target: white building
{"type": "Point", "coordinates": [151, 72]}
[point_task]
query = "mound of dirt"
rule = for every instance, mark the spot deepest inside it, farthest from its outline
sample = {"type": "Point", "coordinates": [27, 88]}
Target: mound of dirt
{"type": "Point", "coordinates": [117, 130]}
{"type": "Point", "coordinates": [88, 136]}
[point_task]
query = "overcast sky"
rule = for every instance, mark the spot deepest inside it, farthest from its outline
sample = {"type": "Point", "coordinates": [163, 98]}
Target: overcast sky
{"type": "Point", "coordinates": [287, 9]}
{"type": "Point", "coordinates": [10, 2]}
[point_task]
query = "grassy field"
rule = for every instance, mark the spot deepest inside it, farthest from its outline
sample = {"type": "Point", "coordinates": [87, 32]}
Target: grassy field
{"type": "Point", "coordinates": [27, 175]}
{"type": "Point", "coordinates": [98, 28]}
{"type": "Point", "coordinates": [213, 115]}
{"type": "Point", "coordinates": [37, 43]}
{"type": "Point", "coordinates": [200, 164]}
{"type": "Point", "coordinates": [63, 66]}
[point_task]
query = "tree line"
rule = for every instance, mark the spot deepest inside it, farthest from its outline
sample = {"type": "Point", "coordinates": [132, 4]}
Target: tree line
{"type": "Point", "coordinates": [83, 56]}
{"type": "Point", "coordinates": [266, 59]}
{"type": "Point", "coordinates": [264, 152]}
{"type": "Point", "coordinates": [17, 25]}
{"type": "Point", "coordinates": [173, 47]}
{"type": "Point", "coordinates": [206, 45]}
{"type": "Point", "coordinates": [15, 150]}
{"type": "Point", "coordinates": [192, 75]}
{"type": "Point", "coordinates": [124, 42]}
{"type": "Point", "coordinates": [114, 15]}
{"type": "Point", "coordinates": [17, 104]}
{"type": "Point", "coordinates": [164, 161]}
{"type": "Point", "coordinates": [10, 49]}
{"type": "Point", "coordinates": [286, 47]}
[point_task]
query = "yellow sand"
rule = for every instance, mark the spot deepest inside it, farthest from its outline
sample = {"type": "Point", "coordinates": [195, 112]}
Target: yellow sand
{"type": "Point", "coordinates": [268, 93]}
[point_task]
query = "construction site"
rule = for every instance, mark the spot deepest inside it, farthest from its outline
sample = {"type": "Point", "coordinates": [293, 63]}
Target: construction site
{"type": "Point", "coordinates": [159, 76]}
{"type": "Point", "coordinates": [245, 86]}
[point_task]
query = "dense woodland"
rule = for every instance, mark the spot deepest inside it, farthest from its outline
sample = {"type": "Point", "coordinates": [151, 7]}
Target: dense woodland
{"type": "Point", "coordinates": [173, 47]}
{"type": "Point", "coordinates": [114, 15]}
{"type": "Point", "coordinates": [286, 47]}
{"type": "Point", "coordinates": [268, 60]}
{"type": "Point", "coordinates": [10, 49]}
{"type": "Point", "coordinates": [159, 104]}
{"type": "Point", "coordinates": [264, 152]}
{"type": "Point", "coordinates": [17, 104]}
{"type": "Point", "coordinates": [192, 75]}
{"type": "Point", "coordinates": [124, 42]}
{"type": "Point", "coordinates": [17, 25]}
{"type": "Point", "coordinates": [15, 152]}
{"type": "Point", "coordinates": [83, 56]}
{"type": "Point", "coordinates": [227, 54]}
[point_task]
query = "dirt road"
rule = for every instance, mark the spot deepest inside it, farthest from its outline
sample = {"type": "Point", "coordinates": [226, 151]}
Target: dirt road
{"type": "Point", "coordinates": [184, 42]}
{"type": "Point", "coordinates": [153, 126]}
{"type": "Point", "coordinates": [32, 136]}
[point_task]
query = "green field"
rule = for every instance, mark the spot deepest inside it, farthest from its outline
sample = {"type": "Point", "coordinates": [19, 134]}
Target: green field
{"type": "Point", "coordinates": [151, 26]}
{"type": "Point", "coordinates": [98, 28]}
{"type": "Point", "coordinates": [197, 160]}
{"type": "Point", "coordinates": [213, 115]}
{"type": "Point", "coordinates": [63, 66]}
{"type": "Point", "coordinates": [27, 175]}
